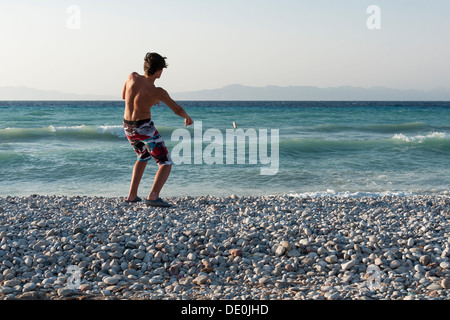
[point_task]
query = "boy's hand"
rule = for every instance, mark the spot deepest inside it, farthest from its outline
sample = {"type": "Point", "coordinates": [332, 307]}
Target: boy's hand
{"type": "Point", "coordinates": [188, 121]}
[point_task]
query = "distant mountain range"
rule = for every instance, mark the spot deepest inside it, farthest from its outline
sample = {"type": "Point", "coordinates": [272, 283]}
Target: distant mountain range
{"type": "Point", "coordinates": [25, 93]}
{"type": "Point", "coordinates": [241, 92]}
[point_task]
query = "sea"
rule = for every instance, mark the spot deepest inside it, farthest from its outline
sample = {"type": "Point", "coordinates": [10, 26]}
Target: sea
{"type": "Point", "coordinates": [312, 148]}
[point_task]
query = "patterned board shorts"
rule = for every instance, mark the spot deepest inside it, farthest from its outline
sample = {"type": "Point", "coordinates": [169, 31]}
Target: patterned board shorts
{"type": "Point", "coordinates": [146, 141]}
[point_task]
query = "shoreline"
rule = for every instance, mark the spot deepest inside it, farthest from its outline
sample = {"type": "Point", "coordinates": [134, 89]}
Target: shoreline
{"type": "Point", "coordinates": [251, 247]}
{"type": "Point", "coordinates": [306, 194]}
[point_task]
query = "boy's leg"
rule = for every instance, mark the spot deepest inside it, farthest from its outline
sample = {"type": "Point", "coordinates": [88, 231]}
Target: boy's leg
{"type": "Point", "coordinates": [138, 171]}
{"type": "Point", "coordinates": [160, 179]}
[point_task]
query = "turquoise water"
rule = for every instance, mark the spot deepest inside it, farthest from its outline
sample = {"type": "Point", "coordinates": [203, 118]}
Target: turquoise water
{"type": "Point", "coordinates": [79, 148]}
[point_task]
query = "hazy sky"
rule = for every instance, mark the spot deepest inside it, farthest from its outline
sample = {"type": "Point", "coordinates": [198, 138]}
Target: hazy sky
{"type": "Point", "coordinates": [210, 44]}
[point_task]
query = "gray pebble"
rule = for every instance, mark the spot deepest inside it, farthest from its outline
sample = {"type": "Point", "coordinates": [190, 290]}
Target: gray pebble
{"type": "Point", "coordinates": [445, 283]}
{"type": "Point", "coordinates": [110, 280]}
{"type": "Point", "coordinates": [434, 286]}
{"type": "Point", "coordinates": [280, 251]}
{"type": "Point", "coordinates": [348, 265]}
{"type": "Point", "coordinates": [65, 292]}
{"type": "Point", "coordinates": [29, 287]}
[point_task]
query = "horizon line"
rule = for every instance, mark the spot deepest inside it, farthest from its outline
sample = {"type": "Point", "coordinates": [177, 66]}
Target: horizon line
{"type": "Point", "coordinates": [106, 97]}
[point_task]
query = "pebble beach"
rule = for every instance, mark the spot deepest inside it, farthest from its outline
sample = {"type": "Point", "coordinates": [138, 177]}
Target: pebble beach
{"type": "Point", "coordinates": [281, 247]}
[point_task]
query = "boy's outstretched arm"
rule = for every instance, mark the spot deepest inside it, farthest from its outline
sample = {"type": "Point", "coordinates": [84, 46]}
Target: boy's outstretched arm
{"type": "Point", "coordinates": [175, 107]}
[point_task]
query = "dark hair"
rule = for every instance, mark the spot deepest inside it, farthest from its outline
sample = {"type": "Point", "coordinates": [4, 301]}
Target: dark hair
{"type": "Point", "coordinates": [153, 63]}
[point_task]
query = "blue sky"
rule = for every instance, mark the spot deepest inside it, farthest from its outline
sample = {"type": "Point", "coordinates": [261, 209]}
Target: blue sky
{"type": "Point", "coordinates": [210, 44]}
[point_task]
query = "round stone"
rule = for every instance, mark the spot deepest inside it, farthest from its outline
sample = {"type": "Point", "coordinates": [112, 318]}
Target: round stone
{"type": "Point", "coordinates": [110, 280]}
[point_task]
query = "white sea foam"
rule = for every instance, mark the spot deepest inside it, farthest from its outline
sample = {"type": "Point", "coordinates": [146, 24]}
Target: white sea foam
{"type": "Point", "coordinates": [349, 194]}
{"type": "Point", "coordinates": [103, 129]}
{"type": "Point", "coordinates": [113, 130]}
{"type": "Point", "coordinates": [67, 128]}
{"type": "Point", "coordinates": [419, 138]}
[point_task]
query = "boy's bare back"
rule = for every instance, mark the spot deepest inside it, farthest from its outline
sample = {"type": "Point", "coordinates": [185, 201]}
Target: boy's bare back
{"type": "Point", "coordinates": [140, 94]}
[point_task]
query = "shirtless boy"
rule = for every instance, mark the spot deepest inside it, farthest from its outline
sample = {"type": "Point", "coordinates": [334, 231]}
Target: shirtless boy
{"type": "Point", "coordinates": [140, 94]}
